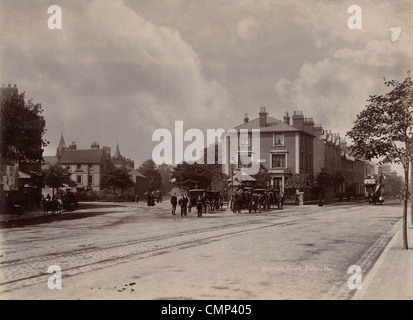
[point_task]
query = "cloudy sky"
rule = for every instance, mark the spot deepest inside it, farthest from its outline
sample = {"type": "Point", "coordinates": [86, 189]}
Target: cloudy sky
{"type": "Point", "coordinates": [120, 69]}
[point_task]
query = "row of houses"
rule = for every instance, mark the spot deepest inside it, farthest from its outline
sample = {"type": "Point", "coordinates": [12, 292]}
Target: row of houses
{"type": "Point", "coordinates": [88, 166]}
{"type": "Point", "coordinates": [293, 145]}
{"type": "Point", "coordinates": [296, 145]}
{"type": "Point", "coordinates": [21, 182]}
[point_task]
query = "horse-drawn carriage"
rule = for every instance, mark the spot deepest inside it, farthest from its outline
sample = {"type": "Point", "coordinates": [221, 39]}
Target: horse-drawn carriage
{"type": "Point", "coordinates": [53, 206]}
{"type": "Point", "coordinates": [254, 200]}
{"type": "Point", "coordinates": [211, 200]}
{"type": "Point", "coordinates": [56, 206]}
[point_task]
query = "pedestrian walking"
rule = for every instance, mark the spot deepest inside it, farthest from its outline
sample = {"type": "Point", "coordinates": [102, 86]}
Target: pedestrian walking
{"type": "Point", "coordinates": [174, 202]}
{"type": "Point", "coordinates": [282, 198]}
{"type": "Point", "coordinates": [199, 206]}
{"type": "Point", "coordinates": [321, 200]}
{"type": "Point", "coordinates": [183, 202]}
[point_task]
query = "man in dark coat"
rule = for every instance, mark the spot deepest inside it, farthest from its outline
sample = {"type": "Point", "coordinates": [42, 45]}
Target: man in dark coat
{"type": "Point", "coordinates": [183, 202]}
{"type": "Point", "coordinates": [174, 202]}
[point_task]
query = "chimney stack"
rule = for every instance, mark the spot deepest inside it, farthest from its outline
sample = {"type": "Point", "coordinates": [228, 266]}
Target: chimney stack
{"type": "Point", "coordinates": [94, 145]}
{"type": "Point", "coordinates": [318, 130]}
{"type": "Point", "coordinates": [298, 120]}
{"type": "Point", "coordinates": [286, 118]}
{"type": "Point", "coordinates": [263, 117]}
{"type": "Point", "coordinates": [73, 146]}
{"type": "Point", "coordinates": [308, 125]}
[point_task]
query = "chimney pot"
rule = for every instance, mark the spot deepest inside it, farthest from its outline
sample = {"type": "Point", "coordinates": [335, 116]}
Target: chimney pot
{"type": "Point", "coordinates": [246, 119]}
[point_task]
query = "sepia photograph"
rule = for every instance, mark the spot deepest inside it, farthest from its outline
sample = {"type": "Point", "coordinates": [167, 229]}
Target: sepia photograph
{"type": "Point", "coordinates": [188, 150]}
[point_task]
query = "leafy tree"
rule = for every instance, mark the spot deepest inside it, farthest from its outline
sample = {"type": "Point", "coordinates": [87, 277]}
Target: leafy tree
{"type": "Point", "coordinates": [262, 177]}
{"type": "Point", "coordinates": [166, 176]}
{"type": "Point", "coordinates": [322, 180]}
{"type": "Point", "coordinates": [117, 178]}
{"type": "Point", "coordinates": [299, 181]}
{"type": "Point", "coordinates": [57, 176]}
{"type": "Point", "coordinates": [393, 185]}
{"type": "Point", "coordinates": [21, 129]}
{"type": "Point", "coordinates": [218, 179]}
{"type": "Point", "coordinates": [189, 176]}
{"type": "Point", "coordinates": [149, 170]}
{"type": "Point", "coordinates": [383, 130]}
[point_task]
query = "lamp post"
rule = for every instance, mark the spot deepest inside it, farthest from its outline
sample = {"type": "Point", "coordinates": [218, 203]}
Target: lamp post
{"type": "Point", "coordinates": [232, 179]}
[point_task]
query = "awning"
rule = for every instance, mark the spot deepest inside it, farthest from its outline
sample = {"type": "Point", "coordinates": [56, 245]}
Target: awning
{"type": "Point", "coordinates": [23, 175]}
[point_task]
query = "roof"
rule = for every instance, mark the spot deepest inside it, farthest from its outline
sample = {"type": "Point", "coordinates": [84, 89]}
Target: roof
{"type": "Point", "coordinates": [71, 156]}
{"type": "Point", "coordinates": [273, 125]}
{"type": "Point", "coordinates": [50, 160]}
{"type": "Point", "coordinates": [133, 172]}
{"type": "Point", "coordinates": [241, 176]}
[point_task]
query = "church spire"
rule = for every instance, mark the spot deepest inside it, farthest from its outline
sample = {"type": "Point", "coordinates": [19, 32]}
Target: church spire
{"type": "Point", "coordinates": [117, 152]}
{"type": "Point", "coordinates": [61, 146]}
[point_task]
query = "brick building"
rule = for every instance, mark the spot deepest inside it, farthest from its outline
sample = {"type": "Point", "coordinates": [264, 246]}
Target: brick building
{"type": "Point", "coordinates": [286, 147]}
{"type": "Point", "coordinates": [87, 166]}
{"type": "Point", "coordinates": [297, 145]}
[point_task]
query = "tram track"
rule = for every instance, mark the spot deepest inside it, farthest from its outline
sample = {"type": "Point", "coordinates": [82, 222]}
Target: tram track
{"type": "Point", "coordinates": [19, 273]}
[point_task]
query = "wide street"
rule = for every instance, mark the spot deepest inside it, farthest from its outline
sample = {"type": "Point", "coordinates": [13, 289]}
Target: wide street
{"type": "Point", "coordinates": [131, 251]}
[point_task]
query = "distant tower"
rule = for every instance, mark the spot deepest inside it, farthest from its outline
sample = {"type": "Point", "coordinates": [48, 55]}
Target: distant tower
{"type": "Point", "coordinates": [61, 147]}
{"type": "Point", "coordinates": [118, 159]}
{"type": "Point", "coordinates": [117, 152]}
{"type": "Point", "coordinates": [8, 91]}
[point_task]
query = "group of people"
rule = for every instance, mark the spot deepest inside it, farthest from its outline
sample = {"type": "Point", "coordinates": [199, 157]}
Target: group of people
{"type": "Point", "coordinates": [182, 202]}
{"type": "Point", "coordinates": [201, 203]}
{"type": "Point", "coordinates": [239, 200]}
{"type": "Point", "coordinates": [67, 201]}
{"type": "Point", "coordinates": [256, 201]}
{"type": "Point", "coordinates": [152, 197]}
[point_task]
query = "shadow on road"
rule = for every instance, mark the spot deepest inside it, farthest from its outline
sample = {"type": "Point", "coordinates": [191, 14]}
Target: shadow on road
{"type": "Point", "coordinates": [66, 215]}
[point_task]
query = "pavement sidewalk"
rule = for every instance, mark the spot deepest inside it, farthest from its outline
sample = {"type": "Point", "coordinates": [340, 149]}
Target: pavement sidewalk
{"type": "Point", "coordinates": [391, 278]}
{"type": "Point", "coordinates": [26, 215]}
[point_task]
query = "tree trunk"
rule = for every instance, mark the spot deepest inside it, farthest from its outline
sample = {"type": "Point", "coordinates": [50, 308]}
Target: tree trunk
{"type": "Point", "coordinates": [406, 197]}
{"type": "Point", "coordinates": [411, 192]}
